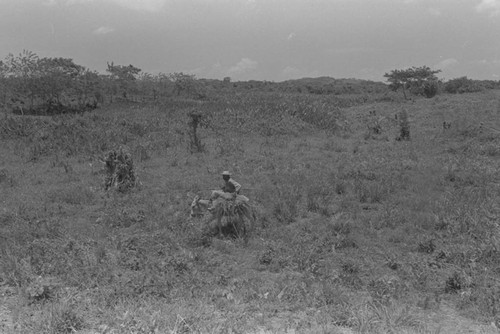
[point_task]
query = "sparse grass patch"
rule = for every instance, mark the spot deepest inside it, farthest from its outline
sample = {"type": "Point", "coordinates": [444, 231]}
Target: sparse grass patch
{"type": "Point", "coordinates": [64, 320]}
{"type": "Point", "coordinates": [349, 275]}
{"type": "Point", "coordinates": [318, 198]}
{"type": "Point", "coordinates": [57, 317]}
{"type": "Point", "coordinates": [75, 195]}
{"type": "Point", "coordinates": [285, 197]}
{"type": "Point", "coordinates": [427, 246]}
{"type": "Point", "coordinates": [384, 290]}
{"type": "Point", "coordinates": [481, 296]}
{"type": "Point", "coordinates": [370, 191]}
{"type": "Point", "coordinates": [380, 318]}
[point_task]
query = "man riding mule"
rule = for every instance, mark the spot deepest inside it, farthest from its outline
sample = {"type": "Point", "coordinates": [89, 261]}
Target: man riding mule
{"type": "Point", "coordinates": [229, 190]}
{"type": "Point", "coordinates": [226, 206]}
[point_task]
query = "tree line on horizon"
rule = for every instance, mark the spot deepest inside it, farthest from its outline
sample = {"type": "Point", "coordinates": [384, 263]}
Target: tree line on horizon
{"type": "Point", "coordinates": [34, 85]}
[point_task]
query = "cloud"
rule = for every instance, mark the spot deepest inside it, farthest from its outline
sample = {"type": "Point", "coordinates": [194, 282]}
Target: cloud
{"type": "Point", "coordinates": [435, 12]}
{"type": "Point", "coordinates": [52, 3]}
{"type": "Point", "coordinates": [103, 30]}
{"type": "Point", "coordinates": [77, 2]}
{"type": "Point", "coordinates": [139, 5]}
{"type": "Point", "coordinates": [489, 6]}
{"type": "Point", "coordinates": [446, 63]}
{"type": "Point", "coordinates": [245, 65]}
{"type": "Point", "coordinates": [494, 62]}
{"type": "Point", "coordinates": [142, 5]}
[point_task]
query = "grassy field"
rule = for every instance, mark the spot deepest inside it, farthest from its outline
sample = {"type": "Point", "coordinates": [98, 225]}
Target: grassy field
{"type": "Point", "coordinates": [358, 230]}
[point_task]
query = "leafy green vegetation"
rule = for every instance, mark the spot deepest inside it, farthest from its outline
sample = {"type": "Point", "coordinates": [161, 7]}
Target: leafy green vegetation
{"type": "Point", "coordinates": [354, 232]}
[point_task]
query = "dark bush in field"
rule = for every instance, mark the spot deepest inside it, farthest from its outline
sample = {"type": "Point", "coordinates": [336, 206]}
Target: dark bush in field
{"type": "Point", "coordinates": [462, 85]}
{"type": "Point", "coordinates": [120, 171]}
{"type": "Point", "coordinates": [431, 88]}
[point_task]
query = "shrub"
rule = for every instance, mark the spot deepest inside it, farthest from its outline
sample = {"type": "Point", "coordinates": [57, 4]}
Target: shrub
{"type": "Point", "coordinates": [430, 88]}
{"type": "Point", "coordinates": [195, 144]}
{"type": "Point", "coordinates": [456, 282]}
{"type": "Point", "coordinates": [41, 289]}
{"type": "Point", "coordinates": [64, 320]}
{"type": "Point", "coordinates": [462, 85]}
{"type": "Point", "coordinates": [349, 274]}
{"type": "Point", "coordinates": [341, 227]}
{"type": "Point", "coordinates": [120, 171]}
{"type": "Point", "coordinates": [404, 125]}
{"type": "Point", "coordinates": [427, 246]}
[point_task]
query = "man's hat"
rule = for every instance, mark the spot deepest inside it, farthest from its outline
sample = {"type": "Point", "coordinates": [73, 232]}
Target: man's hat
{"type": "Point", "coordinates": [226, 173]}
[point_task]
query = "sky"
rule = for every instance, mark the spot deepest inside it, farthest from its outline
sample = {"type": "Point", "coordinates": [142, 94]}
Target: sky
{"type": "Point", "coordinates": [272, 40]}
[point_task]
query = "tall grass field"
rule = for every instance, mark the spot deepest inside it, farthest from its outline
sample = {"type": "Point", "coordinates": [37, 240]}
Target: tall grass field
{"type": "Point", "coordinates": [373, 214]}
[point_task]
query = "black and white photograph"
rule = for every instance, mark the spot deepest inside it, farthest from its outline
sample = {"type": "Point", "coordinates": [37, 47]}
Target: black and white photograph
{"type": "Point", "coordinates": [249, 166]}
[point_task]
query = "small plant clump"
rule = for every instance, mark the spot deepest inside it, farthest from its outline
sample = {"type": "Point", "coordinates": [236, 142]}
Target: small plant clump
{"type": "Point", "coordinates": [430, 88]}
{"type": "Point", "coordinates": [120, 171]}
{"type": "Point", "coordinates": [404, 124]}
{"type": "Point", "coordinates": [195, 144]}
{"type": "Point", "coordinates": [66, 321]}
{"type": "Point", "coordinates": [456, 282]}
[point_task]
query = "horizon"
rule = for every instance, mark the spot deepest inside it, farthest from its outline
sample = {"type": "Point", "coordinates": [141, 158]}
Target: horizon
{"type": "Point", "coordinates": [261, 40]}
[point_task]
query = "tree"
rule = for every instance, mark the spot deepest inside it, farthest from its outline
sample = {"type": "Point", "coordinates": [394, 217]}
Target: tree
{"type": "Point", "coordinates": [47, 85]}
{"type": "Point", "coordinates": [188, 85]}
{"type": "Point", "coordinates": [88, 88]}
{"type": "Point", "coordinates": [124, 76]}
{"type": "Point", "coordinates": [57, 80]}
{"type": "Point", "coordinates": [21, 72]}
{"type": "Point", "coordinates": [419, 80]}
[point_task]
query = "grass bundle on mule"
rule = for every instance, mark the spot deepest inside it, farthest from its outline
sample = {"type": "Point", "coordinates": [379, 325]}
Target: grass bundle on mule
{"type": "Point", "coordinates": [230, 216]}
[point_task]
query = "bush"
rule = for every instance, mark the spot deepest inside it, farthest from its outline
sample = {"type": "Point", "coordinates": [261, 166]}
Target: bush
{"type": "Point", "coordinates": [404, 126]}
{"type": "Point", "coordinates": [195, 144]}
{"type": "Point", "coordinates": [457, 281]}
{"type": "Point", "coordinates": [67, 321]}
{"type": "Point", "coordinates": [120, 171]}
{"type": "Point", "coordinates": [462, 85]}
{"type": "Point", "coordinates": [430, 88]}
